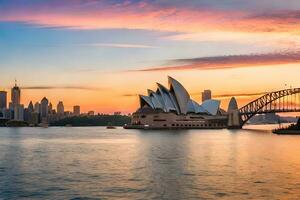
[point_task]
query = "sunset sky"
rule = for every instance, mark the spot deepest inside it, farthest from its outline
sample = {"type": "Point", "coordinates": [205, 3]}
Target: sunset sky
{"type": "Point", "coordinates": [101, 54]}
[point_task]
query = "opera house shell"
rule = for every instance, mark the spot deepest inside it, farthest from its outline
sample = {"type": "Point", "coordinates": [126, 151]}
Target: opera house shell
{"type": "Point", "coordinates": [173, 108]}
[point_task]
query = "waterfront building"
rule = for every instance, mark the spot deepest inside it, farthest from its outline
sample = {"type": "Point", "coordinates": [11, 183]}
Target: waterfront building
{"type": "Point", "coordinates": [50, 108]}
{"type": "Point", "coordinates": [15, 95]}
{"type": "Point", "coordinates": [173, 107]}
{"type": "Point", "coordinates": [91, 113]}
{"type": "Point", "coordinates": [44, 110]}
{"type": "Point", "coordinates": [206, 95]}
{"type": "Point", "coordinates": [67, 114]}
{"type": "Point", "coordinates": [117, 113]}
{"type": "Point", "coordinates": [30, 107]}
{"type": "Point", "coordinates": [34, 118]}
{"type": "Point", "coordinates": [11, 110]}
{"type": "Point", "coordinates": [76, 110]}
{"type": "Point", "coordinates": [3, 100]}
{"type": "Point", "coordinates": [19, 112]}
{"type": "Point", "coordinates": [26, 114]}
{"type": "Point", "coordinates": [60, 108]}
{"type": "Point", "coordinates": [6, 113]}
{"type": "Point", "coordinates": [37, 107]}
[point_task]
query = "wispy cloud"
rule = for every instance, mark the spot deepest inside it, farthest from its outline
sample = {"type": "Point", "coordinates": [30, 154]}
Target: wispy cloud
{"type": "Point", "coordinates": [61, 87]}
{"type": "Point", "coordinates": [129, 95]}
{"type": "Point", "coordinates": [150, 15]}
{"type": "Point", "coordinates": [239, 95]}
{"type": "Point", "coordinates": [227, 95]}
{"type": "Point", "coordinates": [228, 62]}
{"type": "Point", "coordinates": [120, 45]}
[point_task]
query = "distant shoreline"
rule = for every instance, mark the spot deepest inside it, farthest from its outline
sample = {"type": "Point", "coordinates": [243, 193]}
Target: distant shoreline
{"type": "Point", "coordinates": [77, 121]}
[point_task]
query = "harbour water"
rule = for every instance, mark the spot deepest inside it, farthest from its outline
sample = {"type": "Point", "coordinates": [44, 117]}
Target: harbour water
{"type": "Point", "coordinates": [97, 163]}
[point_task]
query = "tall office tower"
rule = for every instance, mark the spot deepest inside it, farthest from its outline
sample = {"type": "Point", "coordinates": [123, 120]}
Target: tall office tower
{"type": "Point", "coordinates": [50, 108]}
{"type": "Point", "coordinates": [76, 110]}
{"type": "Point", "coordinates": [206, 95]}
{"type": "Point", "coordinates": [37, 107]}
{"type": "Point", "coordinates": [19, 112]}
{"type": "Point", "coordinates": [28, 112]}
{"type": "Point", "coordinates": [15, 95]}
{"type": "Point", "coordinates": [3, 100]}
{"type": "Point", "coordinates": [11, 110]}
{"type": "Point", "coordinates": [60, 108]}
{"type": "Point", "coordinates": [30, 107]}
{"type": "Point", "coordinates": [44, 108]}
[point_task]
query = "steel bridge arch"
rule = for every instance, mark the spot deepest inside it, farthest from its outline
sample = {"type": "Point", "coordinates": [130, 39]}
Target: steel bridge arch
{"type": "Point", "coordinates": [254, 107]}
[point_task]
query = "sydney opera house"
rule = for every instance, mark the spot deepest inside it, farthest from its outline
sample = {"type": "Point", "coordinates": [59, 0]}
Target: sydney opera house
{"type": "Point", "coordinates": [173, 108]}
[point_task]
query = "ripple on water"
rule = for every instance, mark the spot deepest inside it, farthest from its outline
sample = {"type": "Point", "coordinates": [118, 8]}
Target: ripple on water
{"type": "Point", "coordinates": [85, 198]}
{"type": "Point", "coordinates": [81, 164]}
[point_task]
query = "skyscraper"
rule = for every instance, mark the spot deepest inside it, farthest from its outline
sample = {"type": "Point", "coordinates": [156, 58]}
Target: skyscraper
{"type": "Point", "coordinates": [15, 95]}
{"type": "Point", "coordinates": [76, 110]}
{"type": "Point", "coordinates": [44, 107]}
{"type": "Point", "coordinates": [3, 100]}
{"type": "Point", "coordinates": [60, 108]}
{"type": "Point", "coordinates": [50, 108]}
{"type": "Point", "coordinates": [37, 107]}
{"type": "Point", "coordinates": [206, 95]}
{"type": "Point", "coordinates": [19, 112]}
{"type": "Point", "coordinates": [28, 113]}
{"type": "Point", "coordinates": [30, 107]}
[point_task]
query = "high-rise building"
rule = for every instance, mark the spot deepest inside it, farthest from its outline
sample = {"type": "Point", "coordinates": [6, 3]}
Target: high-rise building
{"type": "Point", "coordinates": [50, 108]}
{"type": "Point", "coordinates": [15, 95]}
{"type": "Point", "coordinates": [76, 110]}
{"type": "Point", "coordinates": [30, 107]}
{"type": "Point", "coordinates": [3, 100]}
{"type": "Point", "coordinates": [6, 113]}
{"type": "Point", "coordinates": [19, 112]}
{"type": "Point", "coordinates": [44, 107]}
{"type": "Point", "coordinates": [34, 118]}
{"type": "Point", "coordinates": [60, 108]}
{"type": "Point", "coordinates": [37, 107]}
{"type": "Point", "coordinates": [206, 95]}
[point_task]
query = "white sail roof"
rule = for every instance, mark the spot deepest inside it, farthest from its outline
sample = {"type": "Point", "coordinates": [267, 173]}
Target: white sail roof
{"type": "Point", "coordinates": [145, 100]}
{"type": "Point", "coordinates": [180, 93]}
{"type": "Point", "coordinates": [169, 102]}
{"type": "Point", "coordinates": [211, 106]}
{"type": "Point", "coordinates": [177, 99]}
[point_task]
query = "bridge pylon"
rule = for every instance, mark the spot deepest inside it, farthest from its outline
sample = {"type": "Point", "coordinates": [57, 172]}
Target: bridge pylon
{"type": "Point", "coordinates": [234, 117]}
{"type": "Point", "coordinates": [234, 120]}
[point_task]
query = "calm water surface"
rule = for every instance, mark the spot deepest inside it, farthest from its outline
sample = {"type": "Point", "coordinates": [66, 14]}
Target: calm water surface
{"type": "Point", "coordinates": [95, 163]}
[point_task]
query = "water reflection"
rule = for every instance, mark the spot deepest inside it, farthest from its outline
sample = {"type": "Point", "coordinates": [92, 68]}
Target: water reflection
{"type": "Point", "coordinates": [70, 163]}
{"type": "Point", "coordinates": [164, 155]}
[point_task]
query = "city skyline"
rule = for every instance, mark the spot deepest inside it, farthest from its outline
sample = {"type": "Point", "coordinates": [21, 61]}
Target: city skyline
{"type": "Point", "coordinates": [13, 96]}
{"type": "Point", "coordinates": [68, 51]}
{"type": "Point", "coordinates": [35, 113]}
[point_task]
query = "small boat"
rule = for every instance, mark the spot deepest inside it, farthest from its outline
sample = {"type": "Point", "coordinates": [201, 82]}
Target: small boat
{"type": "Point", "coordinates": [111, 127]}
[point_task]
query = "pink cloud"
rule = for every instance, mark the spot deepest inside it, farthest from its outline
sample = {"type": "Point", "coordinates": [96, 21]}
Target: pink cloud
{"type": "Point", "coordinates": [132, 16]}
{"type": "Point", "coordinates": [228, 62]}
{"type": "Point", "coordinates": [147, 16]}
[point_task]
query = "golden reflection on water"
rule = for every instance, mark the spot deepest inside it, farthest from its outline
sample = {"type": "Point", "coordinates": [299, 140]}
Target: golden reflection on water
{"type": "Point", "coordinates": [65, 163]}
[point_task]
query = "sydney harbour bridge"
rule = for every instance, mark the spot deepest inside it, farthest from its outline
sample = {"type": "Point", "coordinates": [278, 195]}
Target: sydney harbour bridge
{"type": "Point", "coordinates": [287, 100]}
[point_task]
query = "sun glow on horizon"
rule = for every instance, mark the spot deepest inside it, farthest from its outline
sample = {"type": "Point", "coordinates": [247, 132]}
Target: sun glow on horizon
{"type": "Point", "coordinates": [102, 54]}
